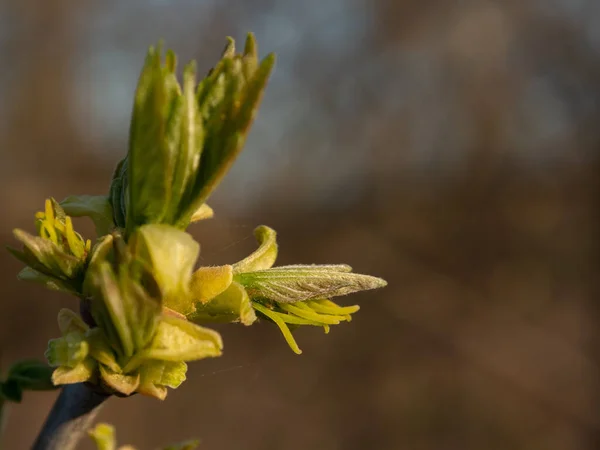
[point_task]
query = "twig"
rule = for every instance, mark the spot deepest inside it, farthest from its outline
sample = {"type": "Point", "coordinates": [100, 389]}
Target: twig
{"type": "Point", "coordinates": [71, 416]}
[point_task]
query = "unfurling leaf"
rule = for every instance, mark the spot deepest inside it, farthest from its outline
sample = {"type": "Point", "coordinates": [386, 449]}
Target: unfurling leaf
{"type": "Point", "coordinates": [117, 196]}
{"type": "Point", "coordinates": [125, 384]}
{"type": "Point", "coordinates": [228, 102]}
{"type": "Point", "coordinates": [288, 284]}
{"type": "Point", "coordinates": [96, 207]}
{"type": "Point", "coordinates": [208, 282]}
{"type": "Point", "coordinates": [49, 282]}
{"type": "Point", "coordinates": [70, 322]}
{"type": "Point", "coordinates": [156, 376]}
{"type": "Point", "coordinates": [27, 375]}
{"type": "Point", "coordinates": [179, 340]}
{"type": "Point", "coordinates": [184, 138]}
{"type": "Point", "coordinates": [232, 305]}
{"type": "Point", "coordinates": [11, 391]}
{"type": "Point", "coordinates": [101, 350]}
{"type": "Point", "coordinates": [78, 374]}
{"type": "Point", "coordinates": [170, 255]}
{"type": "Point", "coordinates": [263, 257]}
{"type": "Point", "coordinates": [68, 350]}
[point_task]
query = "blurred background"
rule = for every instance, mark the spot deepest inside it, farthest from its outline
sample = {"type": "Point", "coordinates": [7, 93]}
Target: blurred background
{"type": "Point", "coordinates": [449, 147]}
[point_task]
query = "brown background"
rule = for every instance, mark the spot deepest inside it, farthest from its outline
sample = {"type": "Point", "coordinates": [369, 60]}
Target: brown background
{"type": "Point", "coordinates": [449, 147]}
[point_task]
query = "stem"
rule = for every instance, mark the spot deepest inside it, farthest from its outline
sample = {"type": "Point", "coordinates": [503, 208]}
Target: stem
{"type": "Point", "coordinates": [71, 416]}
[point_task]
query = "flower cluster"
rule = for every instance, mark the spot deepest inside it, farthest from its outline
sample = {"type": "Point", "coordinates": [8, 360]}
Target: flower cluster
{"type": "Point", "coordinates": [58, 256]}
{"type": "Point", "coordinates": [143, 302]}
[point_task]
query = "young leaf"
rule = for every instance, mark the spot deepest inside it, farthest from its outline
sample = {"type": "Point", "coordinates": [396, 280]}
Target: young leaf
{"type": "Point", "coordinates": [290, 284]}
{"type": "Point", "coordinates": [264, 257]}
{"type": "Point", "coordinates": [70, 322]}
{"type": "Point", "coordinates": [232, 305]}
{"type": "Point", "coordinates": [110, 312]}
{"type": "Point", "coordinates": [96, 207]}
{"type": "Point", "coordinates": [45, 256]}
{"type": "Point", "coordinates": [142, 311]}
{"type": "Point", "coordinates": [179, 340]}
{"type": "Point", "coordinates": [117, 194]}
{"type": "Point", "coordinates": [11, 391]}
{"type": "Point", "coordinates": [68, 350]}
{"type": "Point", "coordinates": [153, 140]}
{"type": "Point", "coordinates": [228, 125]}
{"type": "Point", "coordinates": [208, 282]}
{"type": "Point", "coordinates": [48, 281]}
{"type": "Point", "coordinates": [190, 145]}
{"type": "Point", "coordinates": [171, 255]}
{"type": "Point", "coordinates": [155, 376]}
{"type": "Point", "coordinates": [31, 375]}
{"type": "Point", "coordinates": [69, 375]}
{"type": "Point", "coordinates": [101, 350]}
{"type": "Point", "coordinates": [125, 384]}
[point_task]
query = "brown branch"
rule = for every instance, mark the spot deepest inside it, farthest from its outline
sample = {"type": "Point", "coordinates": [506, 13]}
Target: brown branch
{"type": "Point", "coordinates": [70, 417]}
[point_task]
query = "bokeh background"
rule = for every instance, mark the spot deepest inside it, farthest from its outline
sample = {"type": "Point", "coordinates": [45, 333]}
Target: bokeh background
{"type": "Point", "coordinates": [449, 147]}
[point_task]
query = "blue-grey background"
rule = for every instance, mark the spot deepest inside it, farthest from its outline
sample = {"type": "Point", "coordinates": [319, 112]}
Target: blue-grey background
{"type": "Point", "coordinates": [449, 147]}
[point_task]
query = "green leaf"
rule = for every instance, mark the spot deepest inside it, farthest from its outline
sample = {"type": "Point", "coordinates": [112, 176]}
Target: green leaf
{"type": "Point", "coordinates": [142, 311]}
{"type": "Point", "coordinates": [123, 309]}
{"type": "Point", "coordinates": [179, 340]}
{"type": "Point", "coordinates": [183, 140]}
{"type": "Point", "coordinates": [125, 384]}
{"type": "Point", "coordinates": [70, 322]}
{"type": "Point", "coordinates": [233, 305]}
{"type": "Point", "coordinates": [104, 437]}
{"type": "Point", "coordinates": [153, 146]}
{"type": "Point", "coordinates": [11, 390]}
{"type": "Point", "coordinates": [117, 196]}
{"type": "Point", "coordinates": [109, 310]}
{"type": "Point", "coordinates": [48, 281]}
{"type": "Point", "coordinates": [68, 350]}
{"type": "Point", "coordinates": [228, 118]}
{"type": "Point", "coordinates": [171, 255]}
{"type": "Point", "coordinates": [208, 282]}
{"type": "Point", "coordinates": [164, 373]}
{"type": "Point", "coordinates": [290, 284]}
{"type": "Point", "coordinates": [266, 254]}
{"type": "Point", "coordinates": [153, 390]}
{"type": "Point", "coordinates": [190, 145]}
{"type": "Point", "coordinates": [31, 375]}
{"type": "Point", "coordinates": [45, 256]}
{"type": "Point", "coordinates": [101, 350]}
{"type": "Point", "coordinates": [96, 207]}
{"type": "Point", "coordinates": [250, 59]}
{"type": "Point", "coordinates": [100, 253]}
{"type": "Point", "coordinates": [156, 376]}
{"type": "Point", "coordinates": [81, 373]}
